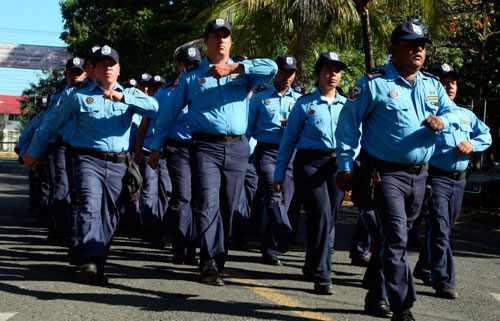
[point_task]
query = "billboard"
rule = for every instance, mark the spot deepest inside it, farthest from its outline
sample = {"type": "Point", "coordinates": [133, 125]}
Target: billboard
{"type": "Point", "coordinates": [33, 57]}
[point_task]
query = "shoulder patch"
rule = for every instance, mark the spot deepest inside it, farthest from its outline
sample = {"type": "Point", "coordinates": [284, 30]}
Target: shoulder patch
{"type": "Point", "coordinates": [428, 74]}
{"type": "Point", "coordinates": [80, 85]}
{"type": "Point", "coordinates": [191, 68]}
{"type": "Point", "coordinates": [354, 93]}
{"type": "Point", "coordinates": [375, 73]}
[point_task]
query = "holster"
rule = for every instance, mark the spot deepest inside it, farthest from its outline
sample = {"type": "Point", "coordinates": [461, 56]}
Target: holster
{"type": "Point", "coordinates": [132, 182]}
{"type": "Point", "coordinates": [365, 177]}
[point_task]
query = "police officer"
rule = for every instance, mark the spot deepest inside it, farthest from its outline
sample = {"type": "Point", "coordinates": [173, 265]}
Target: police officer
{"type": "Point", "coordinates": [311, 129]}
{"type": "Point", "coordinates": [61, 210]}
{"type": "Point", "coordinates": [176, 155]}
{"type": "Point", "coordinates": [103, 114]}
{"type": "Point", "coordinates": [392, 105]}
{"type": "Point", "coordinates": [447, 170]}
{"type": "Point", "coordinates": [155, 84]}
{"type": "Point", "coordinates": [269, 110]}
{"type": "Point", "coordinates": [216, 92]}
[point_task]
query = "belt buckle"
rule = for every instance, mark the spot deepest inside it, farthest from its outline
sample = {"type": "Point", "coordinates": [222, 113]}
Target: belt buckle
{"type": "Point", "coordinates": [333, 154]}
{"type": "Point", "coordinates": [415, 169]}
{"type": "Point", "coordinates": [227, 139]}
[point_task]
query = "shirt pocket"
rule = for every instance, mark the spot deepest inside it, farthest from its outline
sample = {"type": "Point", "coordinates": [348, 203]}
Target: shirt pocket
{"type": "Point", "coordinates": [397, 113]}
{"type": "Point", "coordinates": [314, 125]}
{"type": "Point", "coordinates": [463, 133]}
{"type": "Point", "coordinates": [88, 115]}
{"type": "Point", "coordinates": [205, 94]}
{"type": "Point", "coordinates": [431, 108]}
{"type": "Point", "coordinates": [238, 87]}
{"type": "Point", "coordinates": [120, 112]}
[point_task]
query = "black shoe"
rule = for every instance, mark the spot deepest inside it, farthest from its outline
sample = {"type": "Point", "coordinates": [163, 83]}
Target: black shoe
{"type": "Point", "coordinates": [283, 246]}
{"type": "Point", "coordinates": [406, 315]}
{"type": "Point", "coordinates": [360, 261]}
{"type": "Point", "coordinates": [323, 287]}
{"type": "Point", "coordinates": [417, 274]}
{"type": "Point", "coordinates": [377, 307]}
{"type": "Point", "coordinates": [178, 258]}
{"type": "Point", "coordinates": [271, 260]}
{"type": "Point", "coordinates": [94, 273]}
{"type": "Point", "coordinates": [191, 260]}
{"type": "Point", "coordinates": [210, 275]}
{"type": "Point", "coordinates": [448, 292]}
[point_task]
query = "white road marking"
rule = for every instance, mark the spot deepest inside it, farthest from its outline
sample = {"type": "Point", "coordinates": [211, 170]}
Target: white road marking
{"type": "Point", "coordinates": [496, 296]}
{"type": "Point", "coordinates": [6, 316]}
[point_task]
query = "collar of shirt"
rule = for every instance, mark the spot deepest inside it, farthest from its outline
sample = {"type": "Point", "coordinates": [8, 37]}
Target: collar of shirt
{"type": "Point", "coordinates": [396, 75]}
{"type": "Point", "coordinates": [205, 65]}
{"type": "Point", "coordinates": [317, 95]}
{"type": "Point", "coordinates": [95, 85]}
{"type": "Point", "coordinates": [287, 93]}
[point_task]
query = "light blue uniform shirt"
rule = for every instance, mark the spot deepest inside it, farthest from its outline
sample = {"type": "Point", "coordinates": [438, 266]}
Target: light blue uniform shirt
{"type": "Point", "coordinates": [391, 112]}
{"type": "Point", "coordinates": [215, 106]}
{"type": "Point", "coordinates": [100, 124]}
{"type": "Point", "coordinates": [311, 125]}
{"type": "Point", "coordinates": [30, 128]}
{"type": "Point", "coordinates": [267, 108]}
{"type": "Point", "coordinates": [471, 129]}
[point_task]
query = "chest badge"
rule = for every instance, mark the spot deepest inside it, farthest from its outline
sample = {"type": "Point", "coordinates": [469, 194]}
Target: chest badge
{"type": "Point", "coordinates": [394, 94]}
{"type": "Point", "coordinates": [292, 104]}
{"type": "Point", "coordinates": [268, 101]}
{"type": "Point", "coordinates": [202, 81]}
{"type": "Point", "coordinates": [90, 100]}
{"type": "Point", "coordinates": [311, 112]}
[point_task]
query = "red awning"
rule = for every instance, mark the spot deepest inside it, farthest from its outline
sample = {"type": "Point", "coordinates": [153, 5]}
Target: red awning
{"type": "Point", "coordinates": [10, 104]}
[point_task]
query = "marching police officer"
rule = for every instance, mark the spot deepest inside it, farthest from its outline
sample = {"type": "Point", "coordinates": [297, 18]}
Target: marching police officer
{"type": "Point", "coordinates": [310, 128]}
{"type": "Point", "coordinates": [447, 170]}
{"type": "Point", "coordinates": [216, 93]}
{"type": "Point", "coordinates": [392, 105]}
{"type": "Point", "coordinates": [103, 114]}
{"type": "Point", "coordinates": [269, 110]}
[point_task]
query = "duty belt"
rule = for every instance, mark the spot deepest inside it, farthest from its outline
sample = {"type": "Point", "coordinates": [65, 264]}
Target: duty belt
{"type": "Point", "coordinates": [176, 143]}
{"type": "Point", "coordinates": [385, 166]}
{"type": "Point", "coordinates": [456, 175]}
{"type": "Point", "coordinates": [109, 157]}
{"type": "Point", "coordinates": [317, 153]}
{"type": "Point", "coordinates": [268, 145]}
{"type": "Point", "coordinates": [217, 138]}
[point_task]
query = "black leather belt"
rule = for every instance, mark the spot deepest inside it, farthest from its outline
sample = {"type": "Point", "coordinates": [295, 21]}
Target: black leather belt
{"type": "Point", "coordinates": [457, 175]}
{"type": "Point", "coordinates": [217, 138]}
{"type": "Point", "coordinates": [268, 145]}
{"type": "Point", "coordinates": [146, 153]}
{"type": "Point", "coordinates": [109, 157]}
{"type": "Point", "coordinates": [385, 166]}
{"type": "Point", "coordinates": [176, 143]}
{"type": "Point", "coordinates": [317, 153]}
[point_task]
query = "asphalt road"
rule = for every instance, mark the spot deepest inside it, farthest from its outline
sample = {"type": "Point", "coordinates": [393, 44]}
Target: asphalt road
{"type": "Point", "coordinates": [36, 283]}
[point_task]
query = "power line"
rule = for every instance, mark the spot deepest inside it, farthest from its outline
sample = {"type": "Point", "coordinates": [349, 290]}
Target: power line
{"type": "Point", "coordinates": [30, 31]}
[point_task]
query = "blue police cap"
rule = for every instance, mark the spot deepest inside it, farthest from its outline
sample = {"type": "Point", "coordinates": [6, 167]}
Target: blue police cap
{"type": "Point", "coordinates": [157, 79]}
{"type": "Point", "coordinates": [409, 31]}
{"type": "Point", "coordinates": [189, 55]}
{"type": "Point", "coordinates": [286, 62]}
{"type": "Point", "coordinates": [444, 70]}
{"type": "Point", "coordinates": [74, 63]}
{"type": "Point", "coordinates": [215, 25]}
{"type": "Point", "coordinates": [144, 77]}
{"type": "Point", "coordinates": [327, 57]}
{"type": "Point", "coordinates": [130, 83]}
{"type": "Point", "coordinates": [90, 52]}
{"type": "Point", "coordinates": [43, 102]}
{"type": "Point", "coordinates": [103, 52]}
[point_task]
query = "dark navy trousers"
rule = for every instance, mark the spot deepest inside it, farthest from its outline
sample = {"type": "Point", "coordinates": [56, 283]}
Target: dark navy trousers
{"type": "Point", "coordinates": [155, 193]}
{"type": "Point", "coordinates": [276, 204]}
{"type": "Point", "coordinates": [314, 175]}
{"type": "Point", "coordinates": [436, 258]}
{"type": "Point", "coordinates": [361, 242]}
{"type": "Point", "coordinates": [179, 213]}
{"type": "Point", "coordinates": [398, 197]}
{"type": "Point", "coordinates": [243, 213]}
{"type": "Point", "coordinates": [99, 184]}
{"type": "Point", "coordinates": [61, 202]}
{"type": "Point", "coordinates": [218, 170]}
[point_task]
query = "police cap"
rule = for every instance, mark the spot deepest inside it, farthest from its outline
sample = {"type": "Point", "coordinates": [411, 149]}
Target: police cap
{"type": "Point", "coordinates": [188, 55]}
{"type": "Point", "coordinates": [444, 70]}
{"type": "Point", "coordinates": [215, 25]}
{"type": "Point", "coordinates": [329, 57]}
{"type": "Point", "coordinates": [144, 77]}
{"type": "Point", "coordinates": [103, 52]}
{"type": "Point", "coordinates": [157, 79]}
{"type": "Point", "coordinates": [409, 31]}
{"type": "Point", "coordinates": [286, 62]}
{"type": "Point", "coordinates": [74, 63]}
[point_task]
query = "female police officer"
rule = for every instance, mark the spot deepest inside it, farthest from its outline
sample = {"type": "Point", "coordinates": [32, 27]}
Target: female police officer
{"type": "Point", "coordinates": [310, 129]}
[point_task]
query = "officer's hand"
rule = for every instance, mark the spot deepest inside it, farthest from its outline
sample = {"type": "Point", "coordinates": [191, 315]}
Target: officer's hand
{"type": "Point", "coordinates": [139, 157]}
{"type": "Point", "coordinates": [112, 95]}
{"type": "Point", "coordinates": [344, 181]}
{"type": "Point", "coordinates": [433, 123]}
{"type": "Point", "coordinates": [464, 148]}
{"type": "Point", "coordinates": [29, 162]}
{"type": "Point", "coordinates": [222, 70]}
{"type": "Point", "coordinates": [154, 159]}
{"type": "Point", "coordinates": [283, 122]}
{"type": "Point", "coordinates": [17, 150]}
{"type": "Point", "coordinates": [278, 186]}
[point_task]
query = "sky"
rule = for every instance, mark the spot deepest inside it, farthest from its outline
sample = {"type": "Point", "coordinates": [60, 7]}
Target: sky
{"type": "Point", "coordinates": [28, 22]}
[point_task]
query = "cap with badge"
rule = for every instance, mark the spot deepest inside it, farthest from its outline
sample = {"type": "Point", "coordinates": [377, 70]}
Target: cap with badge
{"type": "Point", "coordinates": [74, 63]}
{"type": "Point", "coordinates": [286, 62]}
{"type": "Point", "coordinates": [130, 83]}
{"type": "Point", "coordinates": [42, 102]}
{"type": "Point", "coordinates": [188, 55]}
{"type": "Point", "coordinates": [215, 25]}
{"type": "Point", "coordinates": [103, 52]}
{"type": "Point", "coordinates": [90, 52]}
{"type": "Point", "coordinates": [409, 31]}
{"type": "Point", "coordinates": [444, 70]}
{"type": "Point", "coordinates": [144, 77]}
{"type": "Point", "coordinates": [329, 57]}
{"type": "Point", "coordinates": [157, 80]}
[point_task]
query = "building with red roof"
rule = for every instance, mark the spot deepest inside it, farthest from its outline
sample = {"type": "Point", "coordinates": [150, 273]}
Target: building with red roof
{"type": "Point", "coordinates": [9, 121]}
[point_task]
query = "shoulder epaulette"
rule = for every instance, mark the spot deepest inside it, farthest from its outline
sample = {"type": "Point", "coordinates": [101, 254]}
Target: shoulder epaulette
{"type": "Point", "coordinates": [260, 88]}
{"type": "Point", "coordinates": [80, 85]}
{"type": "Point", "coordinates": [299, 90]}
{"type": "Point", "coordinates": [304, 95]}
{"type": "Point", "coordinates": [375, 73]}
{"type": "Point", "coordinates": [168, 84]}
{"type": "Point", "coordinates": [340, 91]}
{"type": "Point", "coordinates": [191, 68]}
{"type": "Point", "coordinates": [428, 74]}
